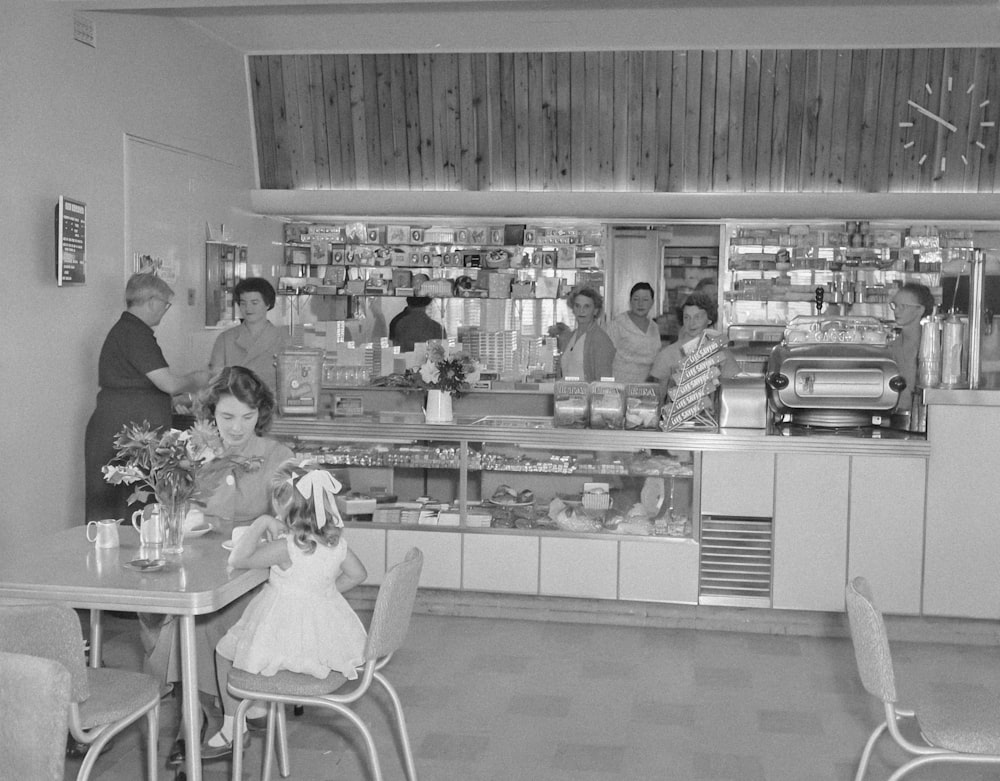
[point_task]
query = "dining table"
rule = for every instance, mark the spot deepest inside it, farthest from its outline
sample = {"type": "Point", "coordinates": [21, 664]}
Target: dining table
{"type": "Point", "coordinates": [64, 567]}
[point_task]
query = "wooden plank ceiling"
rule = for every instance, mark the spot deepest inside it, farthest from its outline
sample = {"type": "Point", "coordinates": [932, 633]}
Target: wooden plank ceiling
{"type": "Point", "coordinates": [638, 121]}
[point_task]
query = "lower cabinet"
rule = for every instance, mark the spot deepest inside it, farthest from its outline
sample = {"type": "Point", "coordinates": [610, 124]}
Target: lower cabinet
{"type": "Point", "coordinates": [579, 568]}
{"type": "Point", "coordinates": [810, 531]}
{"type": "Point", "coordinates": [504, 563]}
{"type": "Point", "coordinates": [887, 529]}
{"type": "Point", "coordinates": [666, 571]}
{"type": "Point", "coordinates": [442, 555]}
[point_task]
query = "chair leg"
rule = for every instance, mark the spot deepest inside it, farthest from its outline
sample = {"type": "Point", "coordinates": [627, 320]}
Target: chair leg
{"type": "Point", "coordinates": [366, 733]}
{"type": "Point", "coordinates": [152, 742]}
{"type": "Point", "coordinates": [284, 758]}
{"type": "Point", "coordinates": [272, 717]}
{"type": "Point", "coordinates": [867, 753]}
{"type": "Point", "coordinates": [238, 728]}
{"type": "Point", "coordinates": [404, 736]}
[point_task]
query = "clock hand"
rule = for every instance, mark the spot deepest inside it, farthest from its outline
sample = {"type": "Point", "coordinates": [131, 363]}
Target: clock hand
{"type": "Point", "coordinates": [933, 116]}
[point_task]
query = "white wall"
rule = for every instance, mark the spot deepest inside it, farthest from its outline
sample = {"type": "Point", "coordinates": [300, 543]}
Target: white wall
{"type": "Point", "coordinates": [67, 110]}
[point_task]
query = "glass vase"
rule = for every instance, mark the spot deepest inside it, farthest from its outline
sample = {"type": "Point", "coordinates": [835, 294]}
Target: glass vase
{"type": "Point", "coordinates": [173, 511]}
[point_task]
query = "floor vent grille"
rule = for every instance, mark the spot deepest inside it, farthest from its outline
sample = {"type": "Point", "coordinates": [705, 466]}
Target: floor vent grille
{"type": "Point", "coordinates": [737, 555]}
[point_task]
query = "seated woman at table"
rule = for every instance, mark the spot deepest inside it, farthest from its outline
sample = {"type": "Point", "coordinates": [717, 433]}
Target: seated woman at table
{"type": "Point", "coordinates": [241, 406]}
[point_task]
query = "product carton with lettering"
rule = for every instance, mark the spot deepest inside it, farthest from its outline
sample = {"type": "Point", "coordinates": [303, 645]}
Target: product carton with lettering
{"type": "Point", "coordinates": [571, 404]}
{"type": "Point", "coordinates": [607, 405]}
{"type": "Point", "coordinates": [642, 405]}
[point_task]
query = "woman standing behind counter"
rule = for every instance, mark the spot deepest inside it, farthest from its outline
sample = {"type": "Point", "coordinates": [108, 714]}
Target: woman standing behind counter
{"type": "Point", "coordinates": [635, 336]}
{"type": "Point", "coordinates": [910, 304]}
{"type": "Point", "coordinates": [136, 385]}
{"type": "Point", "coordinates": [698, 313]}
{"type": "Point", "coordinates": [589, 353]}
{"type": "Point", "coordinates": [256, 341]}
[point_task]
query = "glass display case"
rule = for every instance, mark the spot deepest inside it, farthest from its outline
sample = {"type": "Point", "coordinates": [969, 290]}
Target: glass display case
{"type": "Point", "coordinates": [225, 265]}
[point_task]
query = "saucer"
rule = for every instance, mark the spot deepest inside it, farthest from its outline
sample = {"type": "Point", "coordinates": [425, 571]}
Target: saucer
{"type": "Point", "coordinates": [227, 544]}
{"type": "Point", "coordinates": [146, 565]}
{"type": "Point", "coordinates": [197, 531]}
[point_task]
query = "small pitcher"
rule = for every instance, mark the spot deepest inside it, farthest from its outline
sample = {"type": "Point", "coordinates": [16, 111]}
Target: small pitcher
{"type": "Point", "coordinates": [149, 523]}
{"type": "Point", "coordinates": [104, 533]}
{"type": "Point", "coordinates": [438, 409]}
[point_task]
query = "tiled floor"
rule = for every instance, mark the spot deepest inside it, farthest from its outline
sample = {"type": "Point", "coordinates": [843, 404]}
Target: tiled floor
{"type": "Point", "coordinates": [492, 700]}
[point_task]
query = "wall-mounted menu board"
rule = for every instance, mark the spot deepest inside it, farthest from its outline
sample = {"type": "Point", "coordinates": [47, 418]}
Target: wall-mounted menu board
{"type": "Point", "coordinates": [71, 245]}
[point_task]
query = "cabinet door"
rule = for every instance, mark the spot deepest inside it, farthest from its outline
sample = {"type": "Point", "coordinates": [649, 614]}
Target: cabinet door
{"type": "Point", "coordinates": [442, 555]}
{"type": "Point", "coordinates": [963, 536]}
{"type": "Point", "coordinates": [504, 563]}
{"type": "Point", "coordinates": [660, 571]}
{"type": "Point", "coordinates": [579, 568]}
{"type": "Point", "coordinates": [887, 532]}
{"type": "Point", "coordinates": [738, 484]}
{"type": "Point", "coordinates": [810, 532]}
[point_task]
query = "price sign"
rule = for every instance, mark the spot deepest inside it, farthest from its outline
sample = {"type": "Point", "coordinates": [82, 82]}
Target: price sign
{"type": "Point", "coordinates": [71, 244]}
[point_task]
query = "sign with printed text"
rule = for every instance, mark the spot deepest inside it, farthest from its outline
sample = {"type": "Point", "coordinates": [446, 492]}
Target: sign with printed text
{"type": "Point", "coordinates": [71, 242]}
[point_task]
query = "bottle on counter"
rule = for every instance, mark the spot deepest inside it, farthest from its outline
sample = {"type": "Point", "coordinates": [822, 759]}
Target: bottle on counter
{"type": "Point", "coordinates": [952, 348]}
{"type": "Point", "coordinates": [929, 357]}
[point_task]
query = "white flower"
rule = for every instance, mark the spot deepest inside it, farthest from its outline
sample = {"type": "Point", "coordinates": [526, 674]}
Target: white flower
{"type": "Point", "coordinates": [430, 373]}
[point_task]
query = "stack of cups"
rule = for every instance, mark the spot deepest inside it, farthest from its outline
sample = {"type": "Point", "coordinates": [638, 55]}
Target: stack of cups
{"type": "Point", "coordinates": [929, 357]}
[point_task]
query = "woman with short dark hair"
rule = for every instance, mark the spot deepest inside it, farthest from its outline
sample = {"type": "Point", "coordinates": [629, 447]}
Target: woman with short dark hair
{"type": "Point", "coordinates": [256, 341]}
{"type": "Point", "coordinates": [636, 336]}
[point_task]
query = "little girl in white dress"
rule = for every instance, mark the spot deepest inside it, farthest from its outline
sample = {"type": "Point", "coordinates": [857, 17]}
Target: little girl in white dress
{"type": "Point", "coordinates": [300, 620]}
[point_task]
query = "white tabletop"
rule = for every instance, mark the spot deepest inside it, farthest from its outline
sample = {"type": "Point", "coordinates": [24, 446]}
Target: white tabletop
{"type": "Point", "coordinates": [65, 567]}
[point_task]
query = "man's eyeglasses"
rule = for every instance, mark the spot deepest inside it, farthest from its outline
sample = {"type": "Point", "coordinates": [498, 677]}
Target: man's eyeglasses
{"type": "Point", "coordinates": [894, 306]}
{"type": "Point", "coordinates": [166, 304]}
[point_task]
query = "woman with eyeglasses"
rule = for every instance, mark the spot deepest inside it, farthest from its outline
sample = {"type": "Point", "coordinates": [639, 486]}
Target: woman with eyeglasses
{"type": "Point", "coordinates": [911, 303]}
{"type": "Point", "coordinates": [136, 385]}
{"type": "Point", "coordinates": [254, 343]}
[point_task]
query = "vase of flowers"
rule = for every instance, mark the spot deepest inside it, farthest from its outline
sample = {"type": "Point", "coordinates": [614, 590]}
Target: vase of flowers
{"type": "Point", "coordinates": [170, 466]}
{"type": "Point", "coordinates": [446, 372]}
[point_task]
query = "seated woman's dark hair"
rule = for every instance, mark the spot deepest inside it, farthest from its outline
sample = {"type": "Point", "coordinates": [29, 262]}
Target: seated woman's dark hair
{"type": "Point", "coordinates": [702, 301]}
{"type": "Point", "coordinates": [256, 285]}
{"type": "Point", "coordinates": [243, 385]}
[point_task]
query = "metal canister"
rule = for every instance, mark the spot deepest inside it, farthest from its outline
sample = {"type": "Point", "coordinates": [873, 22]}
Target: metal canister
{"type": "Point", "coordinates": [929, 356]}
{"type": "Point", "coordinates": [952, 338]}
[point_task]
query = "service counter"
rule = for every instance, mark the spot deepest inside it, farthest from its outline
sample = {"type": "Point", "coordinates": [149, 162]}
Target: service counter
{"type": "Point", "coordinates": [776, 520]}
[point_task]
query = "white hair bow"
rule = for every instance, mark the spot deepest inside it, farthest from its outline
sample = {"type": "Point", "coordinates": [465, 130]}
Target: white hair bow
{"type": "Point", "coordinates": [317, 484]}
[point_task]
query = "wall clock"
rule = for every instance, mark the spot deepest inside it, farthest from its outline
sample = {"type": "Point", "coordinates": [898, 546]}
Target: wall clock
{"type": "Point", "coordinates": [956, 148]}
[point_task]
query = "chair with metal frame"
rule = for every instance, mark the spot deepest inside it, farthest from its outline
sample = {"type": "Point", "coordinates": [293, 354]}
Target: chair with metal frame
{"type": "Point", "coordinates": [954, 728]}
{"type": "Point", "coordinates": [103, 701]}
{"type": "Point", "coordinates": [386, 632]}
{"type": "Point", "coordinates": [34, 701]}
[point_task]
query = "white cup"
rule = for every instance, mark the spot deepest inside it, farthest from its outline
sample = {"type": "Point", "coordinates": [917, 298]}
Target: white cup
{"type": "Point", "coordinates": [149, 523]}
{"type": "Point", "coordinates": [105, 533]}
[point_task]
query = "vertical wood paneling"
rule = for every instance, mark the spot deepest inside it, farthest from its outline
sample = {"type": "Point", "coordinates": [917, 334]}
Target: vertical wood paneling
{"type": "Point", "coordinates": [605, 77]}
{"type": "Point", "coordinates": [411, 117]}
{"type": "Point", "coordinates": [671, 151]}
{"type": "Point", "coordinates": [578, 119]}
{"type": "Point", "coordinates": [282, 157]}
{"type": "Point", "coordinates": [720, 176]}
{"type": "Point", "coordinates": [843, 89]}
{"type": "Point", "coordinates": [694, 121]}
{"type": "Point", "coordinates": [564, 124]}
{"type": "Point", "coordinates": [796, 121]}
{"type": "Point", "coordinates": [750, 123]}
{"type": "Point", "coordinates": [654, 92]}
{"type": "Point", "coordinates": [358, 126]}
{"type": "Point", "coordinates": [522, 165]}
{"type": "Point", "coordinates": [317, 119]}
{"type": "Point", "coordinates": [260, 81]}
{"type": "Point", "coordinates": [706, 130]}
{"type": "Point", "coordinates": [779, 124]}
{"type": "Point", "coordinates": [989, 180]}
{"type": "Point", "coordinates": [400, 141]}
{"type": "Point", "coordinates": [761, 179]}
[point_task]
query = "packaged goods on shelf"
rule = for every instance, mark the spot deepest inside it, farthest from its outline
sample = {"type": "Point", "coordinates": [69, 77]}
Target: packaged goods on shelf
{"type": "Point", "coordinates": [571, 403]}
{"type": "Point", "coordinates": [607, 405]}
